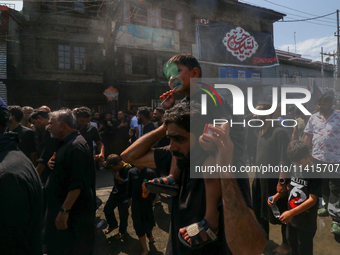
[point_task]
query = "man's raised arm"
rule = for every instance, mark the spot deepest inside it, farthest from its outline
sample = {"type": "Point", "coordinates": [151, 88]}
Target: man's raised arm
{"type": "Point", "coordinates": [141, 152]}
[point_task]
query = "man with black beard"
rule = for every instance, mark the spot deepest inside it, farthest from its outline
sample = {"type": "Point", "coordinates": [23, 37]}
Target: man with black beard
{"type": "Point", "coordinates": [143, 116]}
{"type": "Point", "coordinates": [189, 206]}
{"type": "Point", "coordinates": [272, 144]}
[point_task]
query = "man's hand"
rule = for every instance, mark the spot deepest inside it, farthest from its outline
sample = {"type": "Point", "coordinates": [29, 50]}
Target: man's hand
{"type": "Point", "coordinates": [169, 99]}
{"type": "Point", "coordinates": [61, 221]}
{"type": "Point", "coordinates": [99, 157]}
{"type": "Point", "coordinates": [275, 197]}
{"type": "Point", "coordinates": [286, 217]}
{"type": "Point", "coordinates": [282, 189]}
{"type": "Point", "coordinates": [51, 162]}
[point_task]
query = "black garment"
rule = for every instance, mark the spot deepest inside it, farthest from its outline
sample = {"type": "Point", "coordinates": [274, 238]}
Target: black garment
{"type": "Point", "coordinates": [20, 201]}
{"type": "Point", "coordinates": [72, 171]}
{"type": "Point", "coordinates": [302, 228]}
{"type": "Point", "coordinates": [190, 207]}
{"type": "Point", "coordinates": [148, 128]}
{"type": "Point", "coordinates": [118, 198]}
{"type": "Point", "coordinates": [271, 151]}
{"type": "Point", "coordinates": [121, 137]}
{"type": "Point", "coordinates": [108, 136]}
{"type": "Point", "coordinates": [141, 208]}
{"type": "Point", "coordinates": [46, 147]}
{"type": "Point", "coordinates": [91, 134]}
{"type": "Point", "coordinates": [27, 140]}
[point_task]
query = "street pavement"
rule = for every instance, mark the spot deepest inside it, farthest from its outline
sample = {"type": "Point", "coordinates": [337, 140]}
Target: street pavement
{"type": "Point", "coordinates": [325, 242]}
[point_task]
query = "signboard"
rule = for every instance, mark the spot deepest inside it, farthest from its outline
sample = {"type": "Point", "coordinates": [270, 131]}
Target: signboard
{"type": "Point", "coordinates": [229, 45]}
{"type": "Point", "coordinates": [148, 38]}
{"type": "Point", "coordinates": [111, 93]}
{"type": "Point", "coordinates": [240, 75]}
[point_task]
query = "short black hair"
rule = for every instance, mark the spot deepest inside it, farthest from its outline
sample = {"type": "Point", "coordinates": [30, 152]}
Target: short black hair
{"type": "Point", "coordinates": [4, 117]}
{"type": "Point", "coordinates": [16, 111]}
{"type": "Point", "coordinates": [291, 109]}
{"type": "Point", "coordinates": [326, 98]}
{"type": "Point", "coordinates": [113, 160]}
{"type": "Point", "coordinates": [145, 111]}
{"type": "Point", "coordinates": [83, 112]}
{"type": "Point", "coordinates": [187, 60]}
{"type": "Point", "coordinates": [39, 112]}
{"type": "Point", "coordinates": [160, 110]}
{"type": "Point", "coordinates": [180, 115]}
{"type": "Point", "coordinates": [131, 112]}
{"type": "Point", "coordinates": [297, 150]}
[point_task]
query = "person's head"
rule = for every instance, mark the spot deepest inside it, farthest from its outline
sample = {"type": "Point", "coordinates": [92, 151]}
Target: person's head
{"type": "Point", "coordinates": [177, 120]}
{"type": "Point", "coordinates": [83, 116]}
{"type": "Point", "coordinates": [16, 113]}
{"type": "Point", "coordinates": [132, 132]}
{"type": "Point", "coordinates": [158, 114]}
{"type": "Point", "coordinates": [121, 115]}
{"type": "Point", "coordinates": [27, 110]}
{"type": "Point", "coordinates": [143, 115]}
{"type": "Point", "coordinates": [46, 108]}
{"type": "Point", "coordinates": [299, 113]}
{"type": "Point", "coordinates": [298, 152]}
{"type": "Point", "coordinates": [4, 116]}
{"type": "Point", "coordinates": [114, 162]}
{"type": "Point", "coordinates": [39, 118]}
{"type": "Point", "coordinates": [131, 113]}
{"type": "Point", "coordinates": [61, 123]}
{"type": "Point", "coordinates": [188, 67]}
{"type": "Point", "coordinates": [261, 107]}
{"type": "Point", "coordinates": [325, 103]}
{"type": "Point", "coordinates": [108, 116]}
{"type": "Point", "coordinates": [96, 116]}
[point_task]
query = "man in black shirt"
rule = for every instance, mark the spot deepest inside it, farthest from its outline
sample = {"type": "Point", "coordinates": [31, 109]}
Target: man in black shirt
{"type": "Point", "coordinates": [118, 195]}
{"type": "Point", "coordinates": [46, 146]}
{"type": "Point", "coordinates": [21, 197]}
{"type": "Point", "coordinates": [70, 200]}
{"type": "Point", "coordinates": [143, 116]}
{"type": "Point", "coordinates": [189, 206]}
{"type": "Point", "coordinates": [26, 135]}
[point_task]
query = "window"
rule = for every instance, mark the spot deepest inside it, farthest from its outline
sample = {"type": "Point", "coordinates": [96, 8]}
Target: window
{"type": "Point", "coordinates": [297, 78]}
{"type": "Point", "coordinates": [126, 13]}
{"type": "Point", "coordinates": [179, 21]}
{"type": "Point", "coordinates": [128, 64]}
{"type": "Point", "coordinates": [284, 76]}
{"type": "Point", "coordinates": [160, 67]}
{"type": "Point", "coordinates": [79, 58]}
{"type": "Point", "coordinates": [136, 65]}
{"type": "Point", "coordinates": [311, 79]}
{"type": "Point", "coordinates": [64, 54]}
{"type": "Point", "coordinates": [71, 57]}
{"type": "Point", "coordinates": [79, 6]}
{"type": "Point", "coordinates": [154, 18]}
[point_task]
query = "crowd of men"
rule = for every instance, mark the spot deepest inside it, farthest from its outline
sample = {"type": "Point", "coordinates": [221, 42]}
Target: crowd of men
{"type": "Point", "coordinates": [48, 162]}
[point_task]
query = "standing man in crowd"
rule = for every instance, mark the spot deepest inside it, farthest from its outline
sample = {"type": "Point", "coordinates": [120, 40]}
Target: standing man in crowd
{"type": "Point", "coordinates": [272, 144]}
{"type": "Point", "coordinates": [46, 145]}
{"type": "Point", "coordinates": [323, 132]}
{"type": "Point", "coordinates": [143, 116]}
{"type": "Point", "coordinates": [133, 122]}
{"type": "Point", "coordinates": [21, 196]}
{"type": "Point", "coordinates": [157, 116]}
{"type": "Point", "coordinates": [70, 200]}
{"type": "Point", "coordinates": [25, 122]}
{"type": "Point", "coordinates": [121, 136]}
{"type": "Point", "coordinates": [26, 135]}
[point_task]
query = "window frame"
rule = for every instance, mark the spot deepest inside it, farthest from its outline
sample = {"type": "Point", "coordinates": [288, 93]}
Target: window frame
{"type": "Point", "coordinates": [177, 20]}
{"type": "Point", "coordinates": [81, 2]}
{"type": "Point", "coordinates": [155, 17]}
{"type": "Point", "coordinates": [72, 58]}
{"type": "Point", "coordinates": [125, 64]}
{"type": "Point", "coordinates": [160, 72]}
{"type": "Point", "coordinates": [128, 13]}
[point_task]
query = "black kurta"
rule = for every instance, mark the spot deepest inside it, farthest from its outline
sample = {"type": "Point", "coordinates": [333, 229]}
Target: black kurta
{"type": "Point", "coordinates": [141, 208]}
{"type": "Point", "coordinates": [72, 171]}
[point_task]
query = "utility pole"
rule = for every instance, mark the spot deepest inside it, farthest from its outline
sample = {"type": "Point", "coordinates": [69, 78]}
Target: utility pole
{"type": "Point", "coordinates": [322, 72]}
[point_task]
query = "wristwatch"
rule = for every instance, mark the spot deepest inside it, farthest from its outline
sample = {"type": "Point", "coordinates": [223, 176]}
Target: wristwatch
{"type": "Point", "coordinates": [63, 210]}
{"type": "Point", "coordinates": [283, 181]}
